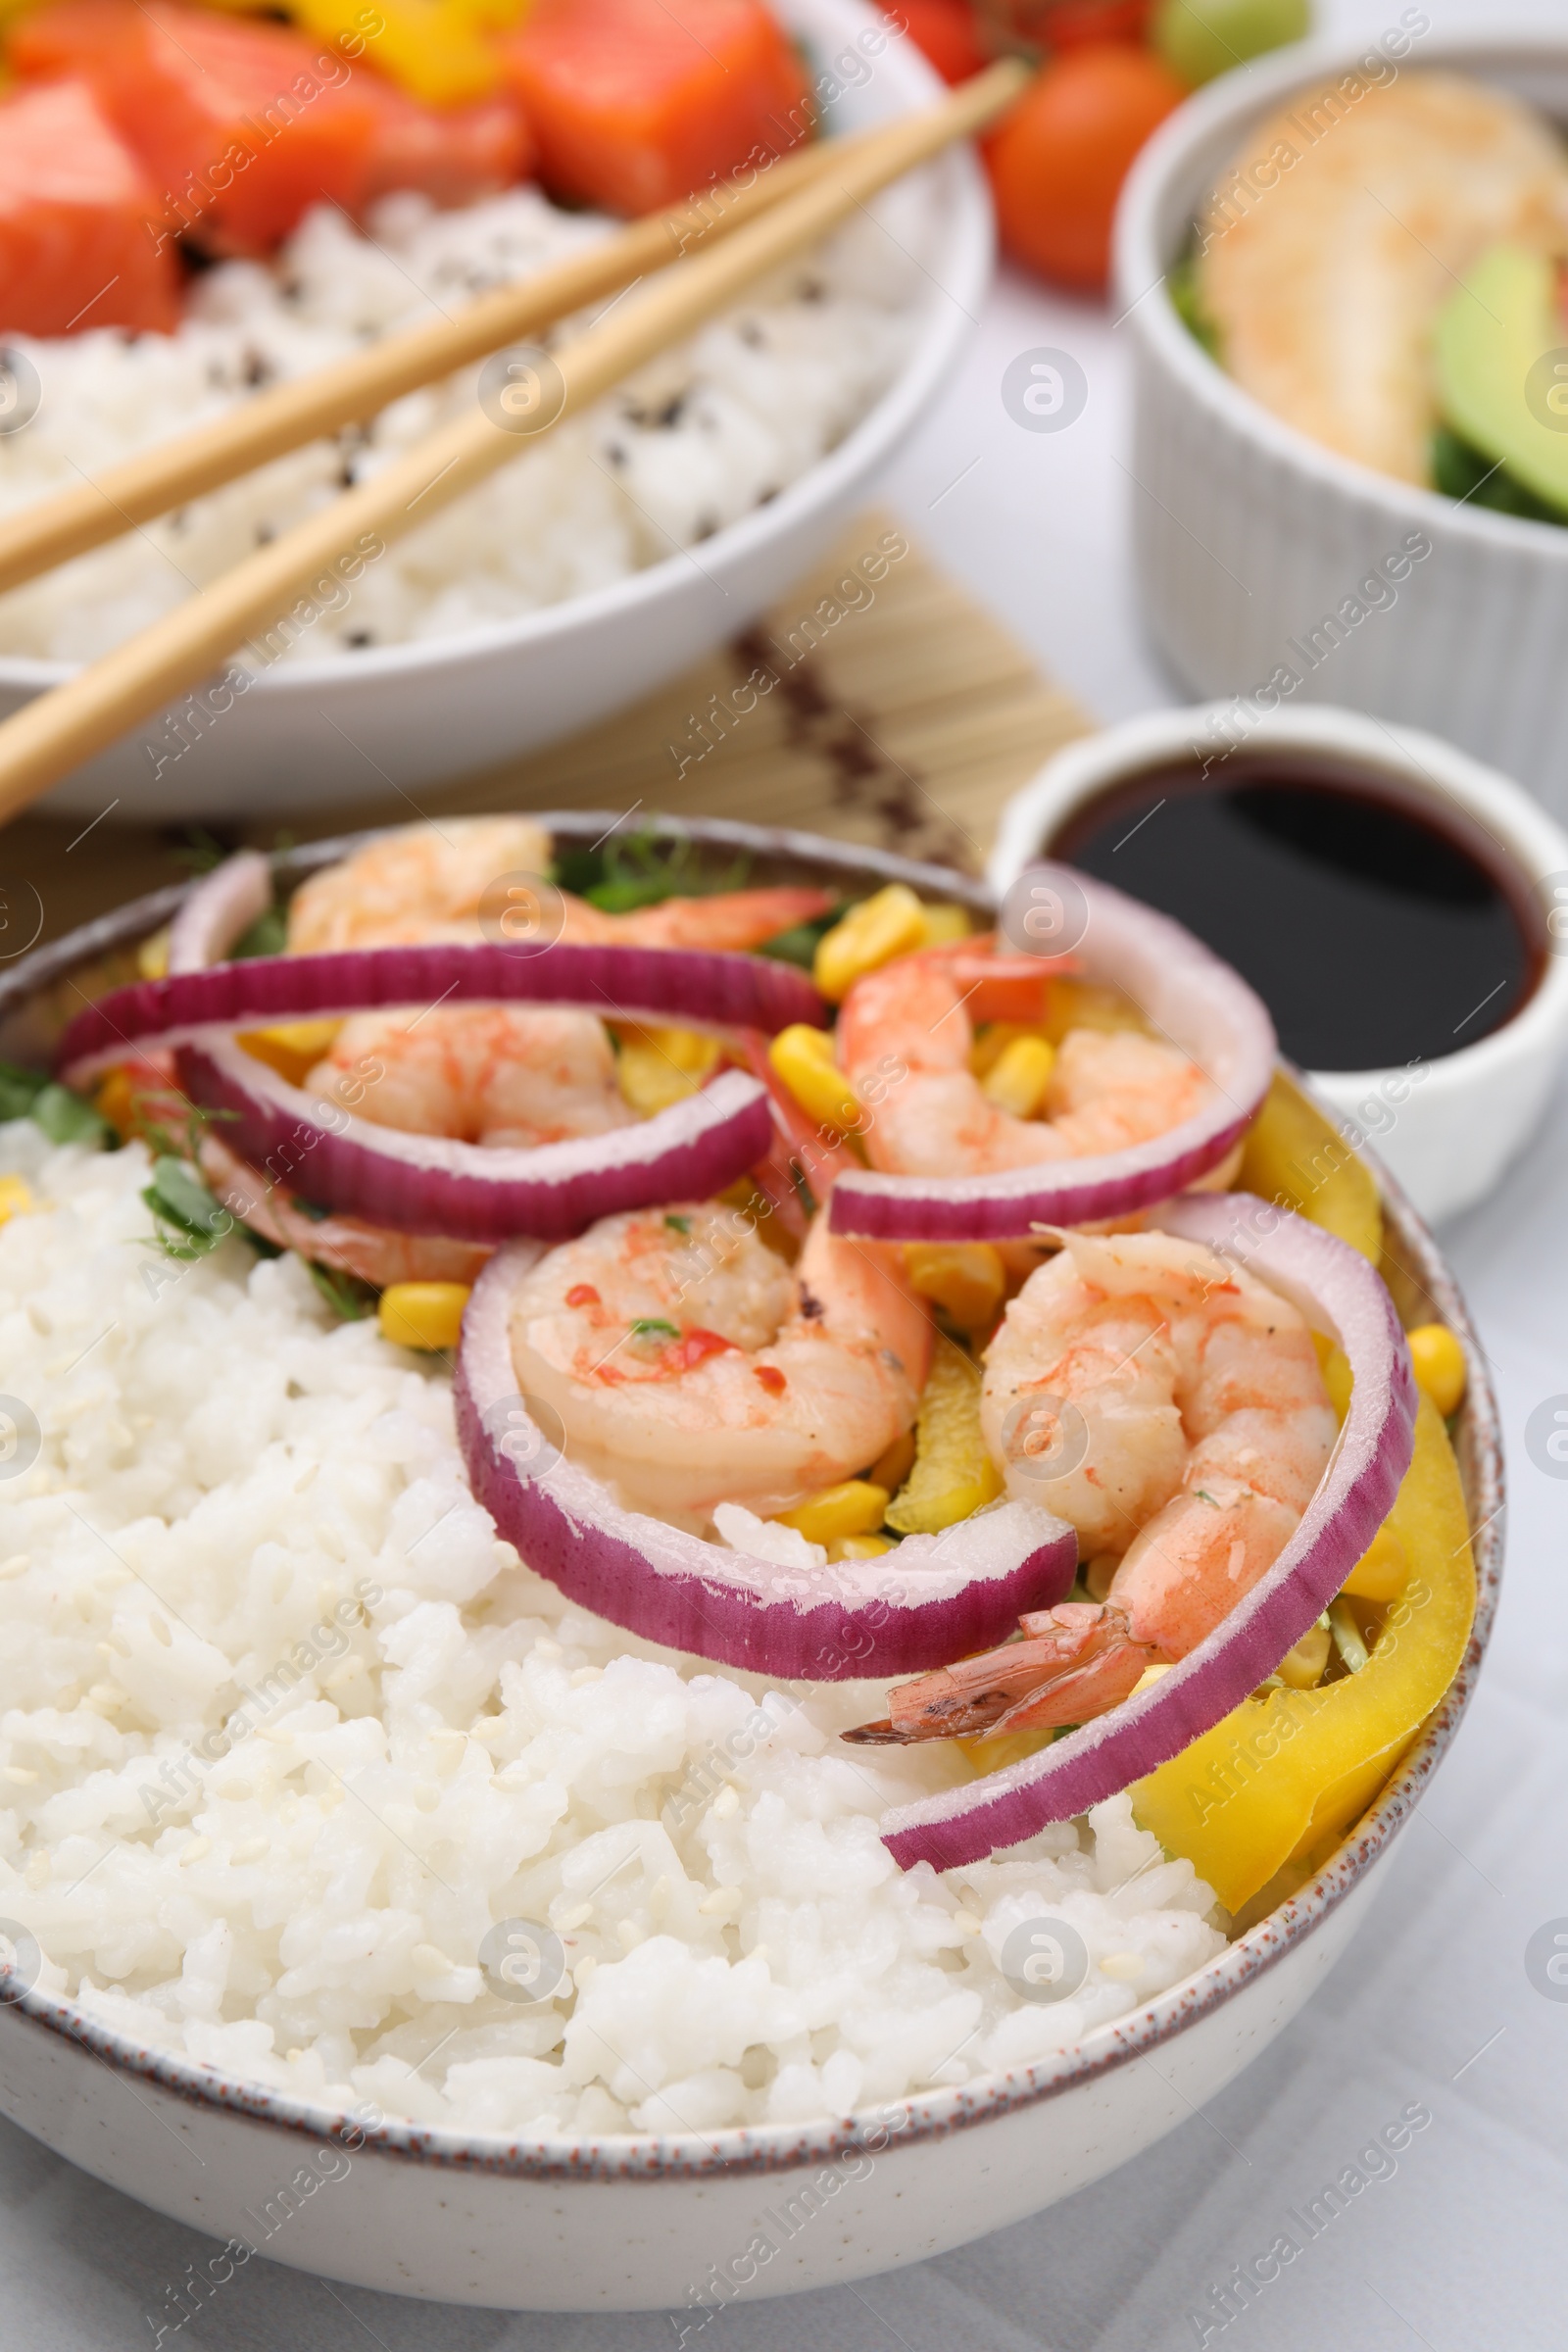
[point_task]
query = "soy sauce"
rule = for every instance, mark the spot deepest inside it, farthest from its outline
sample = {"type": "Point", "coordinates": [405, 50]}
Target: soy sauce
{"type": "Point", "coordinates": [1374, 934]}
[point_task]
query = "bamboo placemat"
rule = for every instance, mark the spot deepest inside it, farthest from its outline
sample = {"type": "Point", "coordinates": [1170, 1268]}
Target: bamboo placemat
{"type": "Point", "coordinates": [900, 714]}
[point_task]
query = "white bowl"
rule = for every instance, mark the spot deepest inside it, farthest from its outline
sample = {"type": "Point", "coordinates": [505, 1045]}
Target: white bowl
{"type": "Point", "coordinates": [1247, 533]}
{"type": "Point", "coordinates": [344, 729]}
{"type": "Point", "coordinates": [1451, 1135]}
{"type": "Point", "coordinates": [677, 2222]}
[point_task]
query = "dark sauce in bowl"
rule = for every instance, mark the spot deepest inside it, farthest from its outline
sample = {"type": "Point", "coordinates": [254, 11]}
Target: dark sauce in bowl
{"type": "Point", "coordinates": [1374, 931]}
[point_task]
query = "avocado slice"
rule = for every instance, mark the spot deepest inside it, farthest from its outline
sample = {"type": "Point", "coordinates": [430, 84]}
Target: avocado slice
{"type": "Point", "coordinates": [1498, 345]}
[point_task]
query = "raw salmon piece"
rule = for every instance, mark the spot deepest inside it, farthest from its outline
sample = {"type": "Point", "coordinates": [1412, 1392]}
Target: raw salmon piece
{"type": "Point", "coordinates": [242, 126]}
{"type": "Point", "coordinates": [76, 249]}
{"type": "Point", "coordinates": [634, 103]}
{"type": "Point", "coordinates": [453, 155]}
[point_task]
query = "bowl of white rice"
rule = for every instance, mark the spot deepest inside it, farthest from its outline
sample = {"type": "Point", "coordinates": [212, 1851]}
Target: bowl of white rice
{"type": "Point", "coordinates": [365, 1905]}
{"type": "Point", "coordinates": [599, 564]}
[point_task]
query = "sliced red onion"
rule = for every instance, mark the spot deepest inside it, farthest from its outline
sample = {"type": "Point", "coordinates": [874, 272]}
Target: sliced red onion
{"type": "Point", "coordinates": [218, 911]}
{"type": "Point", "coordinates": [1191, 997]}
{"type": "Point", "coordinates": [1340, 1293]}
{"type": "Point", "coordinates": [702, 987]}
{"type": "Point", "coordinates": [928, 1599]}
{"type": "Point", "coordinates": [427, 1184]}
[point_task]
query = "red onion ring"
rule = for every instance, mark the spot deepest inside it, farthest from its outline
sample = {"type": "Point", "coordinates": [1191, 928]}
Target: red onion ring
{"type": "Point", "coordinates": [218, 911]}
{"type": "Point", "coordinates": [929, 1599]}
{"type": "Point", "coordinates": [1338, 1291]}
{"type": "Point", "coordinates": [1198, 1002]}
{"type": "Point", "coordinates": [427, 1184]}
{"type": "Point", "coordinates": [702, 987]}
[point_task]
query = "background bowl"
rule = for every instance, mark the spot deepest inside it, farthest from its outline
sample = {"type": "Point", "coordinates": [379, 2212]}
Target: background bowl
{"type": "Point", "coordinates": [445, 707]}
{"type": "Point", "coordinates": [1247, 533]}
{"type": "Point", "coordinates": [669, 2223]}
{"type": "Point", "coordinates": [1451, 1136]}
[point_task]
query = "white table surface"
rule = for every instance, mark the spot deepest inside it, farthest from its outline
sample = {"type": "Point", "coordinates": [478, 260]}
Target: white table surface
{"type": "Point", "coordinates": [1463, 2250]}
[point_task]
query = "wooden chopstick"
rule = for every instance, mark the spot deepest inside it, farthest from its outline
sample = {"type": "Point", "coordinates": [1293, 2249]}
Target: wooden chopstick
{"type": "Point", "coordinates": [50, 736]}
{"type": "Point", "coordinates": [272, 423]}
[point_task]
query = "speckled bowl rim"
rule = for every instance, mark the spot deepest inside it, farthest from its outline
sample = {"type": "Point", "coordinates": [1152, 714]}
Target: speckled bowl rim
{"type": "Point", "coordinates": [928, 2116]}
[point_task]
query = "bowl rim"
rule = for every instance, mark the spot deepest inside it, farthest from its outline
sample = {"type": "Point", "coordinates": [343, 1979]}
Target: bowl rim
{"type": "Point", "coordinates": [1140, 268]}
{"type": "Point", "coordinates": [1434, 769]}
{"type": "Point", "coordinates": [915, 2117]}
{"type": "Point", "coordinates": [955, 286]}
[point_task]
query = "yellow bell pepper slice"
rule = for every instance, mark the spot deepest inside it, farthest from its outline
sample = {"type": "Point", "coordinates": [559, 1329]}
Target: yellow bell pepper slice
{"type": "Point", "coordinates": [1283, 1776]}
{"type": "Point", "coordinates": [433, 49]}
{"type": "Point", "coordinates": [292, 1048]}
{"type": "Point", "coordinates": [1293, 1155]}
{"type": "Point", "coordinates": [953, 1474]}
{"type": "Point", "coordinates": [967, 1279]}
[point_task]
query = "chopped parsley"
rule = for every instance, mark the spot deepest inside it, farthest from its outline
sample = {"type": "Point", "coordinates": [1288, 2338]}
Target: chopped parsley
{"type": "Point", "coordinates": [653, 1327]}
{"type": "Point", "coordinates": [678, 1224]}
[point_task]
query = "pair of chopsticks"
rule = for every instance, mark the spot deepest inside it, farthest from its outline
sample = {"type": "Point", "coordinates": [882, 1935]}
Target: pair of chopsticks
{"type": "Point", "coordinates": [736, 235]}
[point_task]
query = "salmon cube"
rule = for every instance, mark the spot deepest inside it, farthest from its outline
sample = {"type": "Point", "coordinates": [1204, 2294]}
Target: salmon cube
{"type": "Point", "coordinates": [77, 248]}
{"type": "Point", "coordinates": [452, 155]}
{"type": "Point", "coordinates": [635, 103]}
{"type": "Point", "coordinates": [242, 126]}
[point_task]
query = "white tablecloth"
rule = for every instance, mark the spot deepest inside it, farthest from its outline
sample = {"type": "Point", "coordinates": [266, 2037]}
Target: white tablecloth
{"type": "Point", "coordinates": [1462, 2249]}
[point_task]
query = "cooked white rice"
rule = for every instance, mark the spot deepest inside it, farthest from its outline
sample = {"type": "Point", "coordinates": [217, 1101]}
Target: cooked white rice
{"type": "Point", "coordinates": [224, 1466]}
{"type": "Point", "coordinates": [695, 442]}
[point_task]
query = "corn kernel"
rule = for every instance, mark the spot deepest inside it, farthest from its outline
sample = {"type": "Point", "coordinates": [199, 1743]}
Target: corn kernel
{"type": "Point", "coordinates": [16, 1200]}
{"type": "Point", "coordinates": [152, 956]}
{"type": "Point", "coordinates": [659, 1067]}
{"type": "Point", "coordinates": [1335, 1366]}
{"type": "Point", "coordinates": [965, 1279]}
{"type": "Point", "coordinates": [995, 1755]}
{"type": "Point", "coordinates": [1086, 1005]}
{"type": "Point", "coordinates": [993, 1041]}
{"type": "Point", "coordinates": [1439, 1365]}
{"type": "Point", "coordinates": [293, 1048]}
{"type": "Point", "coordinates": [802, 1056]}
{"type": "Point", "coordinates": [423, 1314]}
{"type": "Point", "coordinates": [1382, 1571]}
{"type": "Point", "coordinates": [855, 1508]}
{"type": "Point", "coordinates": [1302, 1667]}
{"type": "Point", "coordinates": [1018, 1080]}
{"type": "Point", "coordinates": [945, 925]}
{"type": "Point", "coordinates": [859, 1547]}
{"type": "Point", "coordinates": [890, 923]}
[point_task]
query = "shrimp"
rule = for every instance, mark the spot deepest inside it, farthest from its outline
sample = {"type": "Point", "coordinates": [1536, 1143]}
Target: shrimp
{"type": "Point", "coordinates": [374, 1252]}
{"type": "Point", "coordinates": [1171, 1407]}
{"type": "Point", "coordinates": [427, 882]}
{"type": "Point", "coordinates": [516, 1075]}
{"type": "Point", "coordinates": [1108, 1089]}
{"type": "Point", "coordinates": [690, 1366]}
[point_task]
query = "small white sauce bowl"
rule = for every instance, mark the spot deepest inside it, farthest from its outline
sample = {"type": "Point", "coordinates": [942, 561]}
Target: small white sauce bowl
{"type": "Point", "coordinates": [1450, 1129]}
{"type": "Point", "coordinates": [1247, 534]}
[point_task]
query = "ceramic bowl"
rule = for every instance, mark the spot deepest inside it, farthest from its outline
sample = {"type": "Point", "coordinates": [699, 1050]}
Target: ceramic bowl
{"type": "Point", "coordinates": [1449, 1136]}
{"type": "Point", "coordinates": [1249, 536]}
{"type": "Point", "coordinates": [343, 729]}
{"type": "Point", "coordinates": [680, 2223]}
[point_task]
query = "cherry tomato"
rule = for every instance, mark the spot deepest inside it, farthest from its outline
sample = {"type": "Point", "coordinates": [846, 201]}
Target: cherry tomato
{"type": "Point", "coordinates": [1066, 25]}
{"type": "Point", "coordinates": [944, 31]}
{"type": "Point", "coordinates": [1059, 160]}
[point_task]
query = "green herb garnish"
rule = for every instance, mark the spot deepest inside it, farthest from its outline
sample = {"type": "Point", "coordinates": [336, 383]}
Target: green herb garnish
{"type": "Point", "coordinates": [653, 1327]}
{"type": "Point", "coordinates": [64, 1117]}
{"type": "Point", "coordinates": [266, 936]}
{"type": "Point", "coordinates": [1462, 472]}
{"type": "Point", "coordinates": [642, 870]}
{"type": "Point", "coordinates": [312, 1209]}
{"type": "Point", "coordinates": [189, 1218]}
{"type": "Point", "coordinates": [798, 944]}
{"type": "Point", "coordinates": [345, 1294]}
{"type": "Point", "coordinates": [678, 1224]}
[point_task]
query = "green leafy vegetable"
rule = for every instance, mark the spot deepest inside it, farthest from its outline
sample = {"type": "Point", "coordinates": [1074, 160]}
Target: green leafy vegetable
{"type": "Point", "coordinates": [1462, 472]}
{"type": "Point", "coordinates": [642, 870]}
{"type": "Point", "coordinates": [188, 1219]}
{"type": "Point", "coordinates": [1181, 284]}
{"type": "Point", "coordinates": [266, 936]}
{"type": "Point", "coordinates": [798, 944]}
{"type": "Point", "coordinates": [653, 1327]}
{"type": "Point", "coordinates": [678, 1224]}
{"type": "Point", "coordinates": [65, 1117]}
